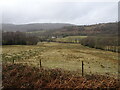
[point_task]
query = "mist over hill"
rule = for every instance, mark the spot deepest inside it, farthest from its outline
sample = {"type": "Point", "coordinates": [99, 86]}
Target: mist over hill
{"type": "Point", "coordinates": [34, 26]}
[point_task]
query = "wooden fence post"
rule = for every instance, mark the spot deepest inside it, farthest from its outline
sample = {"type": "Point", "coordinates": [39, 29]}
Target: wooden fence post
{"type": "Point", "coordinates": [13, 61]}
{"type": "Point", "coordinates": [82, 68]}
{"type": "Point", "coordinates": [40, 63]}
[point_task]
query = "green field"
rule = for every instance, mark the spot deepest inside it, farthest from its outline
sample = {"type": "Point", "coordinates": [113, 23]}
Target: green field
{"type": "Point", "coordinates": [71, 39]}
{"type": "Point", "coordinates": [65, 56]}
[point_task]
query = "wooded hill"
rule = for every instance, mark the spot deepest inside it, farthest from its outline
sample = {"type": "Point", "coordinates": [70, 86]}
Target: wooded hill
{"type": "Point", "coordinates": [63, 29]}
{"type": "Point", "coordinates": [75, 30]}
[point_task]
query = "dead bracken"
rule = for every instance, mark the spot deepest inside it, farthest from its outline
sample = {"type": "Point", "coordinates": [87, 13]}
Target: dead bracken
{"type": "Point", "coordinates": [20, 76]}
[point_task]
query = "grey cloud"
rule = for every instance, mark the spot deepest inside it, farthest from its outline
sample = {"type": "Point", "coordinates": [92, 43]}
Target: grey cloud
{"type": "Point", "coordinates": [62, 12]}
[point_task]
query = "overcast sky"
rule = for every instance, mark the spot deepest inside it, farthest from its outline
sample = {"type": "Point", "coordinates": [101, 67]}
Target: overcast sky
{"type": "Point", "coordinates": [80, 13]}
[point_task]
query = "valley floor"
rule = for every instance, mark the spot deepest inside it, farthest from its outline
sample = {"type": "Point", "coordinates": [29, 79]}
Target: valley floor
{"type": "Point", "coordinates": [64, 56]}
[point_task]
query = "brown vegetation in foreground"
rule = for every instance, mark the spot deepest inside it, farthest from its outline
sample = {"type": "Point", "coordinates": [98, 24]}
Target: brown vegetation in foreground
{"type": "Point", "coordinates": [20, 76]}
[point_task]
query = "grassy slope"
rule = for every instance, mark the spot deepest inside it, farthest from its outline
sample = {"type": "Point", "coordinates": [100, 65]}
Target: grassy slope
{"type": "Point", "coordinates": [65, 56]}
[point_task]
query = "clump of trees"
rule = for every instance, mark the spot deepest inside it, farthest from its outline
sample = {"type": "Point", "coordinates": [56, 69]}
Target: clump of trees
{"type": "Point", "coordinates": [89, 41]}
{"type": "Point", "coordinates": [104, 43]}
{"type": "Point", "coordinates": [18, 38]}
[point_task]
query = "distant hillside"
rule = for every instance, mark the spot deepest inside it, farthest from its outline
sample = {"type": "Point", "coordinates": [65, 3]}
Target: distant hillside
{"type": "Point", "coordinates": [62, 29]}
{"type": "Point", "coordinates": [84, 30]}
{"type": "Point", "coordinates": [104, 28]}
{"type": "Point", "coordinates": [34, 26]}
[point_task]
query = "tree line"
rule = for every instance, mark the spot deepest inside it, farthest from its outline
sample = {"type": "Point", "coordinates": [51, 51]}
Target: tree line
{"type": "Point", "coordinates": [108, 43]}
{"type": "Point", "coordinates": [18, 38]}
{"type": "Point", "coordinates": [104, 43]}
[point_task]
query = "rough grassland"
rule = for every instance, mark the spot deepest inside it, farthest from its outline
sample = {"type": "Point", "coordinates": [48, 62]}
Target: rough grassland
{"type": "Point", "coordinates": [64, 56]}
